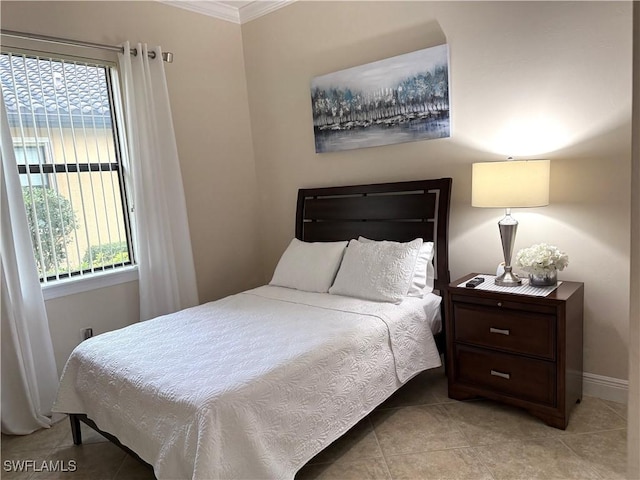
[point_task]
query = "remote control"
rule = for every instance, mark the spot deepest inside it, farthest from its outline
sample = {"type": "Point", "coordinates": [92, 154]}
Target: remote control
{"type": "Point", "coordinates": [474, 282]}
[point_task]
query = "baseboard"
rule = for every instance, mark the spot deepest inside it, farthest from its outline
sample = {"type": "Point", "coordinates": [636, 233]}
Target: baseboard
{"type": "Point", "coordinates": [606, 388]}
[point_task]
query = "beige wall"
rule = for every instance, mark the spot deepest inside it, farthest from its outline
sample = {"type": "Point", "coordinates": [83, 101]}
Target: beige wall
{"type": "Point", "coordinates": [533, 80]}
{"type": "Point", "coordinates": [634, 323]}
{"type": "Point", "coordinates": [211, 118]}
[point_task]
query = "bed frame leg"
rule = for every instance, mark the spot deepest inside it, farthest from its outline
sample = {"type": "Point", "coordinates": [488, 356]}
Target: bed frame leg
{"type": "Point", "coordinates": [76, 433]}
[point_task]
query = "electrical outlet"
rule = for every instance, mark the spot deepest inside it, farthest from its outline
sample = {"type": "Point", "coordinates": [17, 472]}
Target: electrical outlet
{"type": "Point", "coordinates": [86, 333]}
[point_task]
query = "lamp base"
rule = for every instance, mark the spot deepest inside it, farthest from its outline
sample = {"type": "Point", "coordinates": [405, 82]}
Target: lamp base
{"type": "Point", "coordinates": [508, 279]}
{"type": "Point", "coordinates": [508, 227]}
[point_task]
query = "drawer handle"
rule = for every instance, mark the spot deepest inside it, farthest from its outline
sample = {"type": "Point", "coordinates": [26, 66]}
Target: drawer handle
{"type": "Point", "coordinates": [501, 331]}
{"type": "Point", "coordinates": [495, 373]}
{"type": "Point", "coordinates": [499, 304]}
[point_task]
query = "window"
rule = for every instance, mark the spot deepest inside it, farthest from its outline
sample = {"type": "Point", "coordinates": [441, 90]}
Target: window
{"type": "Point", "coordinates": [34, 153]}
{"type": "Point", "coordinates": [66, 143]}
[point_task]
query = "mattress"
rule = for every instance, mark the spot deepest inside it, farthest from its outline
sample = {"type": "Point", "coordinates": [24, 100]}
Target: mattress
{"type": "Point", "coordinates": [252, 385]}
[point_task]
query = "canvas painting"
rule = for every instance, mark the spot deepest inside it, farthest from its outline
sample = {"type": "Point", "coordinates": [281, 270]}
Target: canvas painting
{"type": "Point", "coordinates": [396, 100]}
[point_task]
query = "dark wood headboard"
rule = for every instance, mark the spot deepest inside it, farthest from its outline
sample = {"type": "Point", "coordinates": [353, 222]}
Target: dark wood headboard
{"type": "Point", "coordinates": [399, 211]}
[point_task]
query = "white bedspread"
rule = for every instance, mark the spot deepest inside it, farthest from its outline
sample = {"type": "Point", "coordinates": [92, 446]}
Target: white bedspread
{"type": "Point", "coordinates": [250, 386]}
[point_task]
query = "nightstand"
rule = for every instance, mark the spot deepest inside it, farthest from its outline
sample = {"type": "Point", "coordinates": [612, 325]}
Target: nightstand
{"type": "Point", "coordinates": [522, 350]}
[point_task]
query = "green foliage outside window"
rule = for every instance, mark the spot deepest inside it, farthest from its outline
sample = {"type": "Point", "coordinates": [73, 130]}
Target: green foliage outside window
{"type": "Point", "coordinates": [52, 220]}
{"type": "Point", "coordinates": [108, 254]}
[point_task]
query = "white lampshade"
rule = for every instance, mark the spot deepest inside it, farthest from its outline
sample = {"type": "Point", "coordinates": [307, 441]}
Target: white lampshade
{"type": "Point", "coordinates": [510, 184]}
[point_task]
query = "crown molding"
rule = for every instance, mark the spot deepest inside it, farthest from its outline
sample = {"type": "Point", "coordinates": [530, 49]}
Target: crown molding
{"type": "Point", "coordinates": [211, 9]}
{"type": "Point", "coordinates": [222, 11]}
{"type": "Point", "coordinates": [260, 8]}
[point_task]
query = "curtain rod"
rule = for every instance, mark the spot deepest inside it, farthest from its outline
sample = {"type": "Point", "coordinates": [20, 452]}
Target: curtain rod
{"type": "Point", "coordinates": [166, 56]}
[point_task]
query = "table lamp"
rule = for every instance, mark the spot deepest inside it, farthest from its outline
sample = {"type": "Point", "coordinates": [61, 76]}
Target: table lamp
{"type": "Point", "coordinates": [510, 184]}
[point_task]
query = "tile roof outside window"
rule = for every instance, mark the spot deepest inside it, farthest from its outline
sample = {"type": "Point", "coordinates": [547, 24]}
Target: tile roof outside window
{"type": "Point", "coordinates": [39, 92]}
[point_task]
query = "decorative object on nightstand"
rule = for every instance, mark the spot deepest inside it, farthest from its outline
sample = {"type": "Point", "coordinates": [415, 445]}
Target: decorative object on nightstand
{"type": "Point", "coordinates": [510, 184]}
{"type": "Point", "coordinates": [522, 350]}
{"type": "Point", "coordinates": [542, 262]}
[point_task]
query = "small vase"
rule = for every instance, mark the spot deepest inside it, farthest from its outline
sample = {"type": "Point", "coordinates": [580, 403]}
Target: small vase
{"type": "Point", "coordinates": [547, 279]}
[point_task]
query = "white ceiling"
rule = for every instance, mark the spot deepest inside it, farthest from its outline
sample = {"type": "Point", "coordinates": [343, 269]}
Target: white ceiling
{"type": "Point", "coordinates": [236, 11]}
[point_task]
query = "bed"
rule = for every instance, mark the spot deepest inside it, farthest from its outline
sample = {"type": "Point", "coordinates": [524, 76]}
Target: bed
{"type": "Point", "coordinates": [256, 384]}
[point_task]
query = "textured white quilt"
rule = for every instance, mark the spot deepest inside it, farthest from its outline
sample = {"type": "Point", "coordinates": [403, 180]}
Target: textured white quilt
{"type": "Point", "coordinates": [250, 386]}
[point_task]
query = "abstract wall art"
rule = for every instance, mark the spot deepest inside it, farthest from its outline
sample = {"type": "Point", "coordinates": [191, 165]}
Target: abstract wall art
{"type": "Point", "coordinates": [396, 100]}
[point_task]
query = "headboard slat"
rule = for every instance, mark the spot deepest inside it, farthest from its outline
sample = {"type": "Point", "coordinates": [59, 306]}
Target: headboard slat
{"type": "Point", "coordinates": [413, 205]}
{"type": "Point", "coordinates": [331, 231]}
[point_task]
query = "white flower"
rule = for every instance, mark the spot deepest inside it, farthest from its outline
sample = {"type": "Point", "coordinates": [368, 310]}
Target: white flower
{"type": "Point", "coordinates": [541, 259]}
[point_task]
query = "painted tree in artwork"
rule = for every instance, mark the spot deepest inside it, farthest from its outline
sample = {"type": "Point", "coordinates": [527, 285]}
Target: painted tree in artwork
{"type": "Point", "coordinates": [423, 94]}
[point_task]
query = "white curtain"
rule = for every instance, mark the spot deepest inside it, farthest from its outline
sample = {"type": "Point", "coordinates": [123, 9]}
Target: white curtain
{"type": "Point", "coordinates": [160, 226]}
{"type": "Point", "coordinates": [29, 375]}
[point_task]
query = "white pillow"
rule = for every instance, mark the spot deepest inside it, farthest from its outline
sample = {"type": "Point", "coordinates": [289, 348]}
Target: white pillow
{"type": "Point", "coordinates": [309, 266]}
{"type": "Point", "coordinates": [379, 271]}
{"type": "Point", "coordinates": [423, 274]}
{"type": "Point", "coordinates": [431, 277]}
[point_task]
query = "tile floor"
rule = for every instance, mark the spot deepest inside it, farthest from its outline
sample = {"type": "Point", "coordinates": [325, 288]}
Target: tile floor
{"type": "Point", "coordinates": [418, 433]}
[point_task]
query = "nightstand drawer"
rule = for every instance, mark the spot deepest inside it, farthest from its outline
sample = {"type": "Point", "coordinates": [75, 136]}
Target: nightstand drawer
{"type": "Point", "coordinates": [520, 377]}
{"type": "Point", "coordinates": [503, 303]}
{"type": "Point", "coordinates": [504, 329]}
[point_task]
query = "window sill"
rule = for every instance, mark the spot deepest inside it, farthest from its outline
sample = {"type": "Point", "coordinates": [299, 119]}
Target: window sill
{"type": "Point", "coordinates": [71, 286]}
